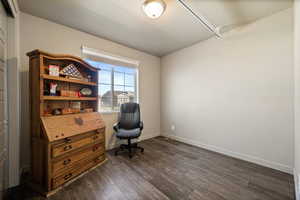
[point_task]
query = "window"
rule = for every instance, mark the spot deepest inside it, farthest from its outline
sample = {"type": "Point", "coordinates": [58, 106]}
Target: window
{"type": "Point", "coordinates": [117, 85]}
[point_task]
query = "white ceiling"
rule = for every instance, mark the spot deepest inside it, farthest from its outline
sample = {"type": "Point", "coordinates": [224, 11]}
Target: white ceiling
{"type": "Point", "coordinates": [124, 22]}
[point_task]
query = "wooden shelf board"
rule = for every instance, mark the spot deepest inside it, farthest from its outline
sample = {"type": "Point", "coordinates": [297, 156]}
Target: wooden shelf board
{"type": "Point", "coordinates": [60, 98]}
{"type": "Point", "coordinates": [68, 114]}
{"type": "Point", "coordinates": [57, 78]}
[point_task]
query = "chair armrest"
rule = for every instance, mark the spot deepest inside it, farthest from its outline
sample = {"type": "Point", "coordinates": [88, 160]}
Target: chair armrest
{"type": "Point", "coordinates": [141, 125]}
{"type": "Point", "coordinates": [116, 126]}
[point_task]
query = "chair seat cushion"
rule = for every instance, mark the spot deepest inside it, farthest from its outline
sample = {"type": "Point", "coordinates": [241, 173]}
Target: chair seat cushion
{"type": "Point", "coordinates": [132, 133]}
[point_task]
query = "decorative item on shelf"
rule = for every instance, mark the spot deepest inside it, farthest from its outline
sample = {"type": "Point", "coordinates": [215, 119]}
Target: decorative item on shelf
{"type": "Point", "coordinates": [47, 112]}
{"type": "Point", "coordinates": [86, 92]}
{"type": "Point", "coordinates": [73, 93]}
{"type": "Point", "coordinates": [71, 72]}
{"type": "Point", "coordinates": [56, 111]}
{"type": "Point", "coordinates": [53, 87]}
{"type": "Point", "coordinates": [75, 106]}
{"type": "Point", "coordinates": [69, 93]}
{"type": "Point", "coordinates": [89, 78]}
{"type": "Point", "coordinates": [75, 110]}
{"type": "Point", "coordinates": [85, 79]}
{"type": "Point", "coordinates": [88, 110]}
{"type": "Point", "coordinates": [53, 70]}
{"type": "Point", "coordinates": [64, 93]}
{"type": "Point", "coordinates": [66, 111]}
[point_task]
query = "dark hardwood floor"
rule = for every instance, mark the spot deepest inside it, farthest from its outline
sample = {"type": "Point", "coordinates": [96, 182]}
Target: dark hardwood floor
{"type": "Point", "coordinates": [173, 170]}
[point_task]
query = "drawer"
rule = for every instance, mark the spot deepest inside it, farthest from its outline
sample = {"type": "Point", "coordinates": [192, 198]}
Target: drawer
{"type": "Point", "coordinates": [70, 144]}
{"type": "Point", "coordinates": [67, 162]}
{"type": "Point", "coordinates": [72, 173]}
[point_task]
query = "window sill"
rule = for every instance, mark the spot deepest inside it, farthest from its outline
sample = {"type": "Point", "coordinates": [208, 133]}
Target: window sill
{"type": "Point", "coordinates": [109, 112]}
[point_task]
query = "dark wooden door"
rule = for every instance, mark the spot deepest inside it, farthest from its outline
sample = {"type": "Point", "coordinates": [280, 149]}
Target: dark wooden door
{"type": "Point", "coordinates": [3, 101]}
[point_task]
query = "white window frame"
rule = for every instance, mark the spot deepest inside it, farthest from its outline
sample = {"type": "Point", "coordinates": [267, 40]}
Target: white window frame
{"type": "Point", "coordinates": [112, 89]}
{"type": "Point", "coordinates": [102, 54]}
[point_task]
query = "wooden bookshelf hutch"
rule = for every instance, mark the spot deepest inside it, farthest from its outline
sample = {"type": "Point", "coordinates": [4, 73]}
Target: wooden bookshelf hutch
{"type": "Point", "coordinates": [67, 132]}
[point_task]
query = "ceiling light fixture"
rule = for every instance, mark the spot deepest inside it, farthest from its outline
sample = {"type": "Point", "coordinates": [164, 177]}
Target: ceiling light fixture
{"type": "Point", "coordinates": [154, 8]}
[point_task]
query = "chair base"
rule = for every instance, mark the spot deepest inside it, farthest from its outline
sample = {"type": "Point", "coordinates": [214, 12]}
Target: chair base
{"type": "Point", "coordinates": [129, 147]}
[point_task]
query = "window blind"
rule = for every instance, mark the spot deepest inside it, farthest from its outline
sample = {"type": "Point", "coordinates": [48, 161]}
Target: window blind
{"type": "Point", "coordinates": [102, 56]}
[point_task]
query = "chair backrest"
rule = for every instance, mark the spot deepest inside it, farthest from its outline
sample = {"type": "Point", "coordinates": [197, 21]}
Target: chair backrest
{"type": "Point", "coordinates": [129, 116]}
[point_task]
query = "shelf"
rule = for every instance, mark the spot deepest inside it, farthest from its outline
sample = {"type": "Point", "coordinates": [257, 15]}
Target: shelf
{"type": "Point", "coordinates": [57, 78]}
{"type": "Point", "coordinates": [59, 98]}
{"type": "Point", "coordinates": [80, 113]}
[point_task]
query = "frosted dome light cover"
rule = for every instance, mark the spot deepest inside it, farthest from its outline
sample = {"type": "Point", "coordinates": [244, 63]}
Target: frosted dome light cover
{"type": "Point", "coordinates": [154, 8]}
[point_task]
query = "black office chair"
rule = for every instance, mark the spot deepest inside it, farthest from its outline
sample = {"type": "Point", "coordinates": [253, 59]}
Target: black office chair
{"type": "Point", "coordinates": [129, 127]}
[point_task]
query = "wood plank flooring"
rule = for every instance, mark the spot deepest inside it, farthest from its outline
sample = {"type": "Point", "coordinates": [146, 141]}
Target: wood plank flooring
{"type": "Point", "coordinates": [170, 170]}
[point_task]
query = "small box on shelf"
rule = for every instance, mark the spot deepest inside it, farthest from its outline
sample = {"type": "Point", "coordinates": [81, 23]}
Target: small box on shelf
{"type": "Point", "coordinates": [53, 70]}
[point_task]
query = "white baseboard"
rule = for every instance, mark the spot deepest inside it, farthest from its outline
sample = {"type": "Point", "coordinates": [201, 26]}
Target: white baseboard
{"type": "Point", "coordinates": [296, 181]}
{"type": "Point", "coordinates": [253, 159]}
{"type": "Point", "coordinates": [149, 136]}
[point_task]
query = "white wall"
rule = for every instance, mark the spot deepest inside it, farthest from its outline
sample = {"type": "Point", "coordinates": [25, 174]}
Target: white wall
{"type": "Point", "coordinates": [297, 93]}
{"type": "Point", "coordinates": [235, 95]}
{"type": "Point", "coordinates": [37, 33]}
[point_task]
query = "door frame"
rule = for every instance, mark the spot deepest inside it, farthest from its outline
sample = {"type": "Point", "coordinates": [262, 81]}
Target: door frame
{"type": "Point", "coordinates": [13, 93]}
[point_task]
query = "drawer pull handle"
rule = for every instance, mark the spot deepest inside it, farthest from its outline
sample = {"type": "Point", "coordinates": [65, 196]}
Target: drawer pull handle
{"type": "Point", "coordinates": [66, 177]}
{"type": "Point", "coordinates": [68, 147]}
{"type": "Point", "coordinates": [95, 137]}
{"type": "Point", "coordinates": [67, 161]}
{"type": "Point", "coordinates": [98, 159]}
{"type": "Point", "coordinates": [95, 148]}
{"type": "Point", "coordinates": [68, 140]}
